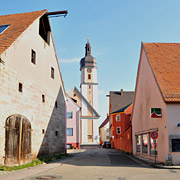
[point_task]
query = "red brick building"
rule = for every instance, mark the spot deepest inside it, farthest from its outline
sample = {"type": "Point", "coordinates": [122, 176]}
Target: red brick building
{"type": "Point", "coordinates": [120, 107]}
{"type": "Point", "coordinates": [122, 129]}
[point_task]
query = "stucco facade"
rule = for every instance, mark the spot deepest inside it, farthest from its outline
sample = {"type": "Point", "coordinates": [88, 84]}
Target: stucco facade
{"type": "Point", "coordinates": [73, 123]}
{"type": "Point", "coordinates": [47, 116]}
{"type": "Point", "coordinates": [148, 95]}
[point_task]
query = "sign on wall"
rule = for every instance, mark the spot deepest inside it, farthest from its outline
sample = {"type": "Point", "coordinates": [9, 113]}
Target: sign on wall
{"type": "Point", "coordinates": [156, 113]}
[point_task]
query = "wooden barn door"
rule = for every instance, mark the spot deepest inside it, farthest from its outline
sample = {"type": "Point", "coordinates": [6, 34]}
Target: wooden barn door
{"type": "Point", "coordinates": [18, 140]}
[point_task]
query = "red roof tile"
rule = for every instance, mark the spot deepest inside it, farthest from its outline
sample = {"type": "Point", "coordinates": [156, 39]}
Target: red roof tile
{"type": "Point", "coordinates": [164, 59]}
{"type": "Point", "coordinates": [18, 24]}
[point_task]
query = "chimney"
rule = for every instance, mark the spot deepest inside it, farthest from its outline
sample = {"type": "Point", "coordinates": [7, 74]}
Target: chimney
{"type": "Point", "coordinates": [121, 92]}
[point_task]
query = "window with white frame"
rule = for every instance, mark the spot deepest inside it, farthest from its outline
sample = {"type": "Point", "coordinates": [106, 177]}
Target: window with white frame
{"type": "Point", "coordinates": [118, 117]}
{"type": "Point", "coordinates": [69, 115]}
{"type": "Point", "coordinates": [118, 130]}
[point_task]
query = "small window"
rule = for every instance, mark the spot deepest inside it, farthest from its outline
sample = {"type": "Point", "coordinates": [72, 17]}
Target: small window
{"type": "Point", "coordinates": [43, 131]}
{"type": "Point", "coordinates": [56, 133]}
{"type": "Point", "coordinates": [89, 86]}
{"type": "Point", "coordinates": [43, 98]}
{"type": "Point", "coordinates": [56, 104]}
{"type": "Point", "coordinates": [3, 28]}
{"type": "Point", "coordinates": [156, 113]}
{"type": "Point", "coordinates": [69, 131]}
{"type": "Point", "coordinates": [33, 56]}
{"type": "Point", "coordinates": [89, 76]}
{"type": "Point", "coordinates": [69, 115]}
{"type": "Point", "coordinates": [20, 87]}
{"type": "Point", "coordinates": [118, 130]}
{"type": "Point", "coordinates": [118, 117]}
{"type": "Point", "coordinates": [74, 95]}
{"type": "Point", "coordinates": [52, 72]}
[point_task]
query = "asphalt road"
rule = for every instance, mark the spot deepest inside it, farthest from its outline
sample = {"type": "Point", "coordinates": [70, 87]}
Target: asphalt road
{"type": "Point", "coordinates": [95, 164]}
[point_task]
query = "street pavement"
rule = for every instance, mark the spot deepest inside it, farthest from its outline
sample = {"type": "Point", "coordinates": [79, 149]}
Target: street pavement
{"type": "Point", "coordinates": [94, 164]}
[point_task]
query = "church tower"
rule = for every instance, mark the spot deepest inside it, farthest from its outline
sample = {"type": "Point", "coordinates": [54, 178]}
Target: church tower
{"type": "Point", "coordinates": [89, 89]}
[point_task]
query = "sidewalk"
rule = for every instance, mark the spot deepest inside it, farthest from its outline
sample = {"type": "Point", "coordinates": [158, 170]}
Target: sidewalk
{"type": "Point", "coordinates": [150, 163]}
{"type": "Point", "coordinates": [27, 172]}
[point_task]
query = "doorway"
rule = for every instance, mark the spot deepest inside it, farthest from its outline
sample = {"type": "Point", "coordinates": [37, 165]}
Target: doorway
{"type": "Point", "coordinates": [17, 140]}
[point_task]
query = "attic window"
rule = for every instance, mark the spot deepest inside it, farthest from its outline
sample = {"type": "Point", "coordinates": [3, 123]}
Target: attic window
{"type": "Point", "coordinates": [52, 72]}
{"type": "Point", "coordinates": [33, 56]}
{"type": "Point", "coordinates": [3, 28]}
{"type": "Point", "coordinates": [44, 28]}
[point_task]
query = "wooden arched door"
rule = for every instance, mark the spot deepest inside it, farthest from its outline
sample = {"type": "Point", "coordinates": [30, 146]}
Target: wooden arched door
{"type": "Point", "coordinates": [18, 140]}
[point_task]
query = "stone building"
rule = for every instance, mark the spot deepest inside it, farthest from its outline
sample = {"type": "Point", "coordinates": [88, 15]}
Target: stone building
{"type": "Point", "coordinates": [87, 99]}
{"type": "Point", "coordinates": [32, 95]}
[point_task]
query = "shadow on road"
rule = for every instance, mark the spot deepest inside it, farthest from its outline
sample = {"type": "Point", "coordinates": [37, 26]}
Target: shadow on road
{"type": "Point", "coordinates": [100, 157]}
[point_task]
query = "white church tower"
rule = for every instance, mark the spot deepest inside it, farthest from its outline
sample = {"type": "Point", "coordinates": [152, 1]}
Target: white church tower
{"type": "Point", "coordinates": [89, 90]}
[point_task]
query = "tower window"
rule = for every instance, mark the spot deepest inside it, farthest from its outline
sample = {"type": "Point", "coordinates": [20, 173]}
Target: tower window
{"type": "Point", "coordinates": [33, 56]}
{"type": "Point", "coordinates": [89, 76]}
{"type": "Point", "coordinates": [20, 87]}
{"type": "Point", "coordinates": [52, 72]}
{"type": "Point", "coordinates": [43, 98]}
{"type": "Point", "coordinates": [89, 86]}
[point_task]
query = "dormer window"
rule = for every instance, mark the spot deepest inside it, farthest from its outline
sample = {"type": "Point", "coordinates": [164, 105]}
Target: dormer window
{"type": "Point", "coordinates": [3, 28]}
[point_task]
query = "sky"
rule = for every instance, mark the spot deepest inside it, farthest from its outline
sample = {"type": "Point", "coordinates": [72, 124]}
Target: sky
{"type": "Point", "coordinates": [116, 29]}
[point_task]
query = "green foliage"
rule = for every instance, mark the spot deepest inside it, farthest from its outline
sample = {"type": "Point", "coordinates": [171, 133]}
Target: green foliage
{"type": "Point", "coordinates": [35, 162]}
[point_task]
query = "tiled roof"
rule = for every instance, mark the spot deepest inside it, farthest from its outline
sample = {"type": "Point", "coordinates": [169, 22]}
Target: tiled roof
{"type": "Point", "coordinates": [18, 24]}
{"type": "Point", "coordinates": [164, 59]}
{"type": "Point", "coordinates": [104, 122]}
{"type": "Point", "coordinates": [118, 101]}
{"type": "Point", "coordinates": [122, 109]}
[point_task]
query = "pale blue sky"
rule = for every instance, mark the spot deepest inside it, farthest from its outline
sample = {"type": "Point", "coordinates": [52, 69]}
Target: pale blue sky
{"type": "Point", "coordinates": [116, 29]}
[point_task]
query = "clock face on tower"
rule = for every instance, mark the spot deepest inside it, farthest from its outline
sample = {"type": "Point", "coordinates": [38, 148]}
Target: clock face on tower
{"type": "Point", "coordinates": [89, 70]}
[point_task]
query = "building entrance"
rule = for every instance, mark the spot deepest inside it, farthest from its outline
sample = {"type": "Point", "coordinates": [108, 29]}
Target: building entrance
{"type": "Point", "coordinates": [17, 140]}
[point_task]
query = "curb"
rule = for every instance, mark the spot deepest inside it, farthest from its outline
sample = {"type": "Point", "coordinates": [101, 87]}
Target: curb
{"type": "Point", "coordinates": [148, 164]}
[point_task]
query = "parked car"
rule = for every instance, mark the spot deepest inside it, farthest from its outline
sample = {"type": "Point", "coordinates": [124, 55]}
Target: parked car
{"type": "Point", "coordinates": [106, 144]}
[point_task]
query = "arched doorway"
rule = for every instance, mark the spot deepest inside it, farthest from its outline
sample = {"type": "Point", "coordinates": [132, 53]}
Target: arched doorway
{"type": "Point", "coordinates": [17, 140]}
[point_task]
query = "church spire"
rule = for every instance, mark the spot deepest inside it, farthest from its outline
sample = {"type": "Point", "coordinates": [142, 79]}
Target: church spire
{"type": "Point", "coordinates": [88, 48]}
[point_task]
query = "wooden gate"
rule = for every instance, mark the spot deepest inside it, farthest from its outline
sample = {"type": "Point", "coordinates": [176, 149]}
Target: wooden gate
{"type": "Point", "coordinates": [18, 140]}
